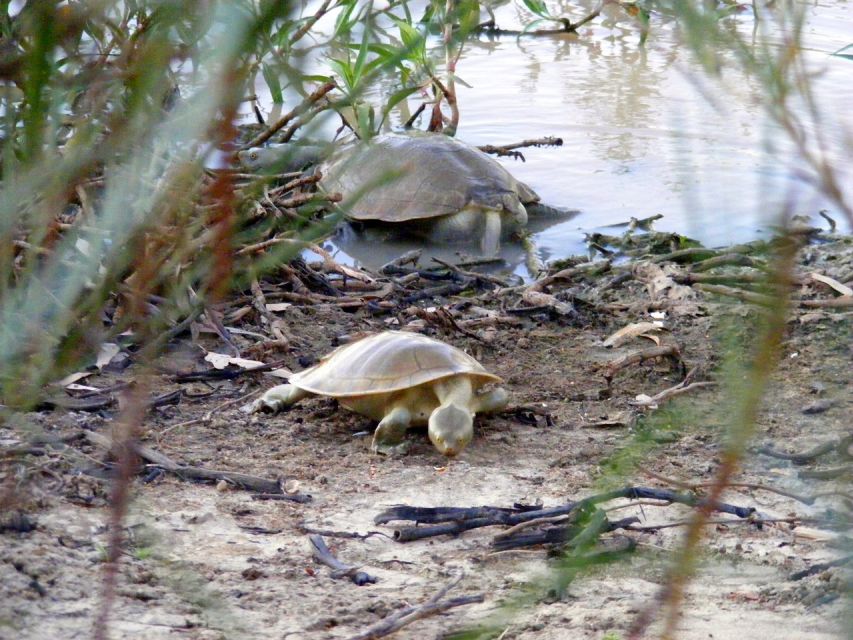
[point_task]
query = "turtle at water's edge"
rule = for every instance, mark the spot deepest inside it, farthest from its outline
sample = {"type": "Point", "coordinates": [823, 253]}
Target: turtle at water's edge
{"type": "Point", "coordinates": [427, 184]}
{"type": "Point", "coordinates": [434, 186]}
{"type": "Point", "coordinates": [403, 380]}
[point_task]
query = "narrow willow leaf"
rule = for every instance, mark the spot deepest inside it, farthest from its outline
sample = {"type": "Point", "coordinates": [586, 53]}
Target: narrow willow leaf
{"type": "Point", "coordinates": [273, 82]}
{"type": "Point", "coordinates": [538, 8]}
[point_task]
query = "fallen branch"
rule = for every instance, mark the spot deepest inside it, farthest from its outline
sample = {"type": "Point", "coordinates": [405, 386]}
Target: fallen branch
{"type": "Point", "coordinates": [340, 534]}
{"type": "Point", "coordinates": [224, 374]}
{"type": "Point", "coordinates": [570, 536]}
{"type": "Point", "coordinates": [509, 149]}
{"type": "Point", "coordinates": [455, 520]}
{"type": "Point", "coordinates": [301, 108]}
{"type": "Point", "coordinates": [302, 498]}
{"type": "Point", "coordinates": [408, 615]}
{"type": "Point", "coordinates": [668, 394]}
{"type": "Point", "coordinates": [567, 26]}
{"type": "Point", "coordinates": [669, 351]}
{"type": "Point", "coordinates": [758, 522]}
{"type": "Point", "coordinates": [323, 555]}
{"type": "Point", "coordinates": [838, 445]}
{"type": "Point", "coordinates": [590, 269]}
{"type": "Point", "coordinates": [738, 294]}
{"type": "Point", "coordinates": [692, 254]}
{"type": "Point", "coordinates": [695, 486]}
{"type": "Point", "coordinates": [186, 472]}
{"type": "Point", "coordinates": [842, 302]}
{"type": "Point", "coordinates": [828, 474]}
{"type": "Point", "coordinates": [735, 259]}
{"type": "Point", "coordinates": [821, 567]}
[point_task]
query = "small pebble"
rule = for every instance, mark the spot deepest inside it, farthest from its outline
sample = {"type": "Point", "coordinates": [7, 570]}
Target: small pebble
{"type": "Point", "coordinates": [817, 388]}
{"type": "Point", "coordinates": [818, 407]}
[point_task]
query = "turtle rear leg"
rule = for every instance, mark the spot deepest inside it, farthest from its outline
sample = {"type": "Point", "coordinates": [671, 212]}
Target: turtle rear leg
{"type": "Point", "coordinates": [279, 397]}
{"type": "Point", "coordinates": [389, 437]}
{"type": "Point", "coordinates": [494, 400]}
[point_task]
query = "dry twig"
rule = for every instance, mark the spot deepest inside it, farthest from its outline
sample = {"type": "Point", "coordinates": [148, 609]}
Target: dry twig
{"type": "Point", "coordinates": [408, 615]}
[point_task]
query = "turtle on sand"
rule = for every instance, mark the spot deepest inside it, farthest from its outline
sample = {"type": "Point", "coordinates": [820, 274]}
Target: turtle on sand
{"type": "Point", "coordinates": [403, 380]}
{"type": "Point", "coordinates": [429, 184]}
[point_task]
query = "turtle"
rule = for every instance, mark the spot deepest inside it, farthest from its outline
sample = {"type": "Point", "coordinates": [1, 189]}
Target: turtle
{"type": "Point", "coordinates": [429, 184]}
{"type": "Point", "coordinates": [432, 185]}
{"type": "Point", "coordinates": [285, 157]}
{"type": "Point", "coordinates": [401, 379]}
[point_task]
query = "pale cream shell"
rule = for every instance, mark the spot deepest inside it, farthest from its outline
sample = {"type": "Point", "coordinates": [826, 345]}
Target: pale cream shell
{"type": "Point", "coordinates": [388, 362]}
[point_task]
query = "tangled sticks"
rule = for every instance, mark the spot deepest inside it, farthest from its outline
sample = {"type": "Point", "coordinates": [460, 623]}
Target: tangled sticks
{"type": "Point", "coordinates": [455, 520]}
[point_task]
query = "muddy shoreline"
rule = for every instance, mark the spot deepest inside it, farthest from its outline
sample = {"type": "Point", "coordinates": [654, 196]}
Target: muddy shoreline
{"type": "Point", "coordinates": [208, 561]}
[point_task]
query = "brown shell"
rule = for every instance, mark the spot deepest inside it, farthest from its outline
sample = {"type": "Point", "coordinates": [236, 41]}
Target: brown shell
{"type": "Point", "coordinates": [387, 362]}
{"type": "Point", "coordinates": [396, 178]}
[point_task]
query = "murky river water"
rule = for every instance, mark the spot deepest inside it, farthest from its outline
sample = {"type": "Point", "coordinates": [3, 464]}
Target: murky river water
{"type": "Point", "coordinates": [645, 130]}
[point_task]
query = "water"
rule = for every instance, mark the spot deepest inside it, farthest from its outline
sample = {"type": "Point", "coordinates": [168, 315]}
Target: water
{"type": "Point", "coordinates": [645, 130]}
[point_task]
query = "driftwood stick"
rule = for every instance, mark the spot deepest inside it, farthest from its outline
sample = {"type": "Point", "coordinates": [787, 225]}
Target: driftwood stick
{"type": "Point", "coordinates": [689, 255]}
{"type": "Point", "coordinates": [821, 567]}
{"type": "Point", "coordinates": [828, 474]}
{"type": "Point", "coordinates": [757, 522]}
{"type": "Point", "coordinates": [839, 445]}
{"type": "Point", "coordinates": [720, 278]}
{"type": "Point", "coordinates": [547, 141]}
{"type": "Point", "coordinates": [224, 374]}
{"type": "Point", "coordinates": [329, 533]}
{"type": "Point", "coordinates": [670, 351]}
{"type": "Point", "coordinates": [521, 526]}
{"type": "Point", "coordinates": [505, 150]}
{"type": "Point", "coordinates": [567, 26]}
{"type": "Point", "coordinates": [841, 302]}
{"type": "Point", "coordinates": [693, 486]}
{"type": "Point", "coordinates": [738, 294]}
{"type": "Point", "coordinates": [570, 273]}
{"type": "Point", "coordinates": [568, 536]}
{"type": "Point", "coordinates": [736, 259]}
{"type": "Point", "coordinates": [302, 498]}
{"type": "Point", "coordinates": [186, 472]}
{"type": "Point", "coordinates": [672, 392]}
{"type": "Point", "coordinates": [324, 555]}
{"type": "Point", "coordinates": [408, 615]}
{"type": "Point", "coordinates": [455, 520]}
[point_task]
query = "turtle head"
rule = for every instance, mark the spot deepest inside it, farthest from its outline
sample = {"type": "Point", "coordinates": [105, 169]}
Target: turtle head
{"type": "Point", "coordinates": [451, 429]}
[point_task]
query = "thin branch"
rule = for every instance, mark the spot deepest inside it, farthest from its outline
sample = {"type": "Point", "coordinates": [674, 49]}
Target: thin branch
{"type": "Point", "coordinates": [282, 122]}
{"type": "Point", "coordinates": [408, 615]}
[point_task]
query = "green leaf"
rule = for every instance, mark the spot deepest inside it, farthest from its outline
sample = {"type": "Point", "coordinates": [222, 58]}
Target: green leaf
{"type": "Point", "coordinates": [413, 40]}
{"type": "Point", "coordinates": [358, 70]}
{"type": "Point", "coordinates": [461, 81]}
{"type": "Point", "coordinates": [396, 98]}
{"type": "Point", "coordinates": [343, 68]}
{"type": "Point", "coordinates": [346, 20]}
{"type": "Point", "coordinates": [468, 12]}
{"type": "Point", "coordinates": [534, 25]}
{"type": "Point", "coordinates": [365, 116]}
{"type": "Point", "coordinates": [844, 52]}
{"type": "Point", "coordinates": [538, 8]}
{"type": "Point", "coordinates": [273, 82]}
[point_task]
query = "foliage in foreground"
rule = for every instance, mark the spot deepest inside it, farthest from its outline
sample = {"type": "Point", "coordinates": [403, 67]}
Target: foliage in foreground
{"type": "Point", "coordinates": [110, 221]}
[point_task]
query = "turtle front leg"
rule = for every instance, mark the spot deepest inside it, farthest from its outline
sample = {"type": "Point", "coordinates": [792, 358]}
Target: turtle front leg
{"type": "Point", "coordinates": [389, 437]}
{"type": "Point", "coordinates": [279, 397]}
{"type": "Point", "coordinates": [491, 240]}
{"type": "Point", "coordinates": [494, 400]}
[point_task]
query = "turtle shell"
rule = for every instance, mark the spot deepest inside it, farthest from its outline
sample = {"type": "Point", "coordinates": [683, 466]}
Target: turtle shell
{"type": "Point", "coordinates": [388, 362]}
{"type": "Point", "coordinates": [395, 178]}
